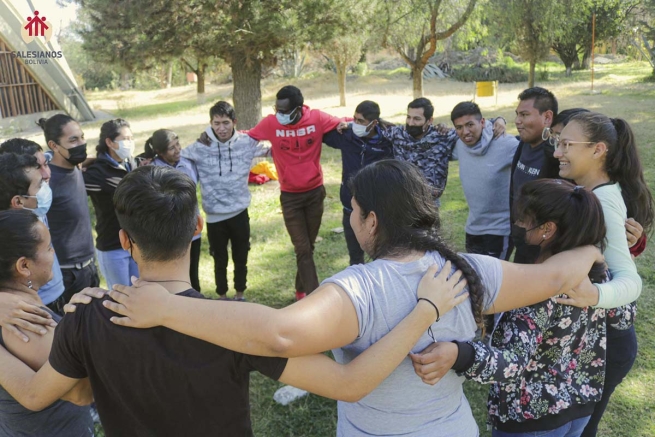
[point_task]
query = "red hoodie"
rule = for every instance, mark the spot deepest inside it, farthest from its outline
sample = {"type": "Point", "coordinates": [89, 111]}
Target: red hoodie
{"type": "Point", "coordinates": [296, 148]}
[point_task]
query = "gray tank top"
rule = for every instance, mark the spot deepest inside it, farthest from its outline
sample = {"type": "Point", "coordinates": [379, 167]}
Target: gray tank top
{"type": "Point", "coordinates": [61, 419]}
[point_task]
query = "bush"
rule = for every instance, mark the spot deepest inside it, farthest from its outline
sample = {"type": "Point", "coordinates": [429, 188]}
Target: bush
{"type": "Point", "coordinates": [501, 73]}
{"type": "Point", "coordinates": [361, 69]}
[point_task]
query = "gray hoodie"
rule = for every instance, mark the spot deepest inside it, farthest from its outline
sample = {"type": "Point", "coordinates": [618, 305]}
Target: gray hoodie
{"type": "Point", "coordinates": [223, 170]}
{"type": "Point", "coordinates": [484, 170]}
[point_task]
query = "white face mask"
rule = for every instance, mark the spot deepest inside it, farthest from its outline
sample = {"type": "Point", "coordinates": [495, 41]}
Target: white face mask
{"type": "Point", "coordinates": [359, 130]}
{"type": "Point", "coordinates": [285, 119]}
{"type": "Point", "coordinates": [125, 149]}
{"type": "Point", "coordinates": [43, 200]}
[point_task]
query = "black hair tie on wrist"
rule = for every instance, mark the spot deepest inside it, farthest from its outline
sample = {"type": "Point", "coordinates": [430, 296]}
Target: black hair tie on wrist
{"type": "Point", "coordinates": [433, 305]}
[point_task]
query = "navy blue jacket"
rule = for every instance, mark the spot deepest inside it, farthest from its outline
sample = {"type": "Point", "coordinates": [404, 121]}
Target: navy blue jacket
{"type": "Point", "coordinates": [356, 153]}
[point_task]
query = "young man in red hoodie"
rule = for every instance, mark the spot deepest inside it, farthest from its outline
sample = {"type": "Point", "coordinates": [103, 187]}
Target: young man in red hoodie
{"type": "Point", "coordinates": [296, 134]}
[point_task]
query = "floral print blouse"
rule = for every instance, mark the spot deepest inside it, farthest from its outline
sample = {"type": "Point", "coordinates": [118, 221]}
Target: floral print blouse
{"type": "Point", "coordinates": [545, 358]}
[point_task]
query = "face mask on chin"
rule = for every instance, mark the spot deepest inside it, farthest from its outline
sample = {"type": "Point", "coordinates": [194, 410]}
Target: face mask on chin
{"type": "Point", "coordinates": [76, 155]}
{"type": "Point", "coordinates": [531, 252]}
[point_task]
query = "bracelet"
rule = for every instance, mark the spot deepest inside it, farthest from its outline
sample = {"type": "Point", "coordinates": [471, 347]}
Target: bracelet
{"type": "Point", "coordinates": [431, 303]}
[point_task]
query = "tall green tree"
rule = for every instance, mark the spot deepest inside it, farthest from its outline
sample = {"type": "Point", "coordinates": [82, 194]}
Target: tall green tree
{"type": "Point", "coordinates": [644, 33]}
{"type": "Point", "coordinates": [414, 27]}
{"type": "Point", "coordinates": [573, 45]}
{"type": "Point", "coordinates": [530, 26]}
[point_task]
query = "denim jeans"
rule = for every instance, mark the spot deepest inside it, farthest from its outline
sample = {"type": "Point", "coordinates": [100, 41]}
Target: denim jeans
{"type": "Point", "coordinates": [573, 428]}
{"type": "Point", "coordinates": [117, 266]}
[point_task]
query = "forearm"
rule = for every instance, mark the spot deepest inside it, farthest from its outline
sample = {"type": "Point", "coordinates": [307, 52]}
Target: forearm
{"type": "Point", "coordinates": [495, 365]}
{"type": "Point", "coordinates": [20, 382]}
{"type": "Point", "coordinates": [81, 394]}
{"type": "Point", "coordinates": [621, 290]}
{"type": "Point", "coordinates": [323, 321]}
{"type": "Point", "coordinates": [252, 329]}
{"type": "Point", "coordinates": [353, 381]}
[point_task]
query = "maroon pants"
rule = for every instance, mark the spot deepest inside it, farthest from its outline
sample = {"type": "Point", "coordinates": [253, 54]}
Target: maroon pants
{"type": "Point", "coordinates": [302, 214]}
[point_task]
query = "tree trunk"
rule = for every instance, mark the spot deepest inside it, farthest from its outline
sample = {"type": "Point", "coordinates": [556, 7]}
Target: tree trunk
{"type": "Point", "coordinates": [247, 94]}
{"type": "Point", "coordinates": [417, 77]}
{"type": "Point", "coordinates": [533, 64]}
{"type": "Point", "coordinates": [576, 63]}
{"type": "Point", "coordinates": [341, 79]}
{"type": "Point", "coordinates": [169, 77]}
{"type": "Point", "coordinates": [200, 85]}
{"type": "Point", "coordinates": [586, 59]}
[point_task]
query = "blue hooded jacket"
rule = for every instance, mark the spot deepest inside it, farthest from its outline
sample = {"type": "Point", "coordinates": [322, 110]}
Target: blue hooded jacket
{"type": "Point", "coordinates": [356, 153]}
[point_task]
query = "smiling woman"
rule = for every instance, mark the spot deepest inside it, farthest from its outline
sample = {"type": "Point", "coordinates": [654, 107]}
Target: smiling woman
{"type": "Point", "coordinates": [600, 153]}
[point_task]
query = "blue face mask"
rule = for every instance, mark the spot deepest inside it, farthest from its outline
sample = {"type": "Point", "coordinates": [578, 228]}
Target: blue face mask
{"type": "Point", "coordinates": [43, 200]}
{"type": "Point", "coordinates": [285, 119]}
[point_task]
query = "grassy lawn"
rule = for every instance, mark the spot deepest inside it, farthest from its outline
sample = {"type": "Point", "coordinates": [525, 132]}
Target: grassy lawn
{"type": "Point", "coordinates": [622, 92]}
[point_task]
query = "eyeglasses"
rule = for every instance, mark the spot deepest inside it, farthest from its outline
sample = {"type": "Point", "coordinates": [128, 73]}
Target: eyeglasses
{"type": "Point", "coordinates": [564, 145]}
{"type": "Point", "coordinates": [548, 135]}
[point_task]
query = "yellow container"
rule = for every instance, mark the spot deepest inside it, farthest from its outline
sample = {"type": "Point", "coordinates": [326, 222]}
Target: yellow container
{"type": "Point", "coordinates": [485, 89]}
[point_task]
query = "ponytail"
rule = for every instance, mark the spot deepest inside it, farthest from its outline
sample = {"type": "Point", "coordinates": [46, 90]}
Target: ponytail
{"type": "Point", "coordinates": [629, 173]}
{"type": "Point", "coordinates": [149, 150]}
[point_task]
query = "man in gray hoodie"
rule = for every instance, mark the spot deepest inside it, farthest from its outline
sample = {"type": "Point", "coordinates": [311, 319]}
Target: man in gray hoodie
{"type": "Point", "coordinates": [223, 169]}
{"type": "Point", "coordinates": [484, 169]}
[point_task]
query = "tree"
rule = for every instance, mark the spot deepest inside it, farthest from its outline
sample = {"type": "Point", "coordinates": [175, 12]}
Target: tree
{"type": "Point", "coordinates": [644, 38]}
{"type": "Point", "coordinates": [575, 38]}
{"type": "Point", "coordinates": [344, 51]}
{"type": "Point", "coordinates": [531, 26]}
{"type": "Point", "coordinates": [413, 28]}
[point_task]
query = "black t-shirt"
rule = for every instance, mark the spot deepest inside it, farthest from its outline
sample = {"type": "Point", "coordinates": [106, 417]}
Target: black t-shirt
{"type": "Point", "coordinates": [157, 382]}
{"type": "Point", "coordinates": [101, 179]}
{"type": "Point", "coordinates": [68, 218]}
{"type": "Point", "coordinates": [528, 168]}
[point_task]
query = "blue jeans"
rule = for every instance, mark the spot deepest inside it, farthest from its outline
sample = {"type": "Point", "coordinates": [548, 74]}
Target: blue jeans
{"type": "Point", "coordinates": [117, 266]}
{"type": "Point", "coordinates": [573, 428]}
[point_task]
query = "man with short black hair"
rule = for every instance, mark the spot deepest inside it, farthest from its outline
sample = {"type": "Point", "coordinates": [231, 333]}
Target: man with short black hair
{"type": "Point", "coordinates": [296, 134]}
{"type": "Point", "coordinates": [23, 184]}
{"type": "Point", "coordinates": [223, 157]}
{"type": "Point", "coordinates": [361, 145]}
{"type": "Point", "coordinates": [420, 143]}
{"type": "Point", "coordinates": [536, 110]}
{"type": "Point", "coordinates": [484, 169]}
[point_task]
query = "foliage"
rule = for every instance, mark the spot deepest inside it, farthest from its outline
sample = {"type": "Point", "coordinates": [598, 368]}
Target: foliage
{"type": "Point", "coordinates": [501, 73]}
{"type": "Point", "coordinates": [529, 26]}
{"type": "Point", "coordinates": [413, 28]}
{"type": "Point", "coordinates": [576, 36]}
{"type": "Point", "coordinates": [644, 37]}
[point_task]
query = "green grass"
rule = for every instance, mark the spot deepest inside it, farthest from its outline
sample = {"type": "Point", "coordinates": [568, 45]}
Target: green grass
{"type": "Point", "coordinates": [272, 263]}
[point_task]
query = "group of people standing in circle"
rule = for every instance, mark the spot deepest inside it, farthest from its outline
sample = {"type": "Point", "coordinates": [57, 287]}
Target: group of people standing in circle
{"type": "Point", "coordinates": [560, 342]}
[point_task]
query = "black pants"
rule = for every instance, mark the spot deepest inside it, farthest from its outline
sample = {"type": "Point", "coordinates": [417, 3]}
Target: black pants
{"type": "Point", "coordinates": [236, 231]}
{"type": "Point", "coordinates": [497, 246]}
{"type": "Point", "coordinates": [57, 305]}
{"type": "Point", "coordinates": [75, 280]}
{"type": "Point", "coordinates": [355, 251]}
{"type": "Point", "coordinates": [195, 260]}
{"type": "Point", "coordinates": [302, 214]}
{"type": "Point", "coordinates": [621, 355]}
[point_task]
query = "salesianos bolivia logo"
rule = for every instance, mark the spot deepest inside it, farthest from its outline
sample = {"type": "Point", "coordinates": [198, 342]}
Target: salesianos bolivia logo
{"type": "Point", "coordinates": [36, 27]}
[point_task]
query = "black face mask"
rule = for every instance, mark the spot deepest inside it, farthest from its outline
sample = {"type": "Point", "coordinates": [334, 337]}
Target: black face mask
{"type": "Point", "coordinates": [414, 131]}
{"type": "Point", "coordinates": [529, 252]}
{"type": "Point", "coordinates": [77, 154]}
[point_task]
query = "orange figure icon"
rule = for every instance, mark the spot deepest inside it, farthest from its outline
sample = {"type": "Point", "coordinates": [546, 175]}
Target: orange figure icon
{"type": "Point", "coordinates": [36, 25]}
